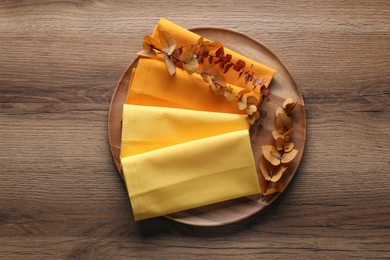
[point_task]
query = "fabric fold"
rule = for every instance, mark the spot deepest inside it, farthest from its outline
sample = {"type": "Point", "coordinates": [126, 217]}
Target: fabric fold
{"type": "Point", "coordinates": [147, 128]}
{"type": "Point", "coordinates": [190, 174]}
{"type": "Point", "coordinates": [152, 85]}
{"type": "Point", "coordinates": [185, 37]}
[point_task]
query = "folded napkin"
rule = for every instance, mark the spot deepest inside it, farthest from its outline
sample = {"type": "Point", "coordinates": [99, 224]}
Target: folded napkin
{"type": "Point", "coordinates": [190, 174]}
{"type": "Point", "coordinates": [185, 37]}
{"type": "Point", "coordinates": [152, 85]}
{"type": "Point", "coordinates": [147, 128]}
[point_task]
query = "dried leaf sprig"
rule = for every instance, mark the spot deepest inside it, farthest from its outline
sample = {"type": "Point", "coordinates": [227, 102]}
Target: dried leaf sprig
{"type": "Point", "coordinates": [276, 158]}
{"type": "Point", "coordinates": [193, 59]}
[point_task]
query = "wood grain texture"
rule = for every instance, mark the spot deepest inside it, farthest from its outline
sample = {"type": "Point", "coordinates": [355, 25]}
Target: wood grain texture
{"type": "Point", "coordinates": [283, 87]}
{"type": "Point", "coordinates": [61, 196]}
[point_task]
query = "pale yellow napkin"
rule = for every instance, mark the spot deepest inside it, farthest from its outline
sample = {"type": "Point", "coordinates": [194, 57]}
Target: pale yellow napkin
{"type": "Point", "coordinates": [190, 174]}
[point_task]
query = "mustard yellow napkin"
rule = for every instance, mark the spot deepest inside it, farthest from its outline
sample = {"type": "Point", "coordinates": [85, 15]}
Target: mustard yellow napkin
{"type": "Point", "coordinates": [153, 86]}
{"type": "Point", "coordinates": [147, 128]}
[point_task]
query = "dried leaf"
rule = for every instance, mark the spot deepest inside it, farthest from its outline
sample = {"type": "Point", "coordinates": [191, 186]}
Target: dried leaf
{"type": "Point", "coordinates": [288, 157]}
{"type": "Point", "coordinates": [227, 59]}
{"type": "Point", "coordinates": [211, 82]}
{"type": "Point", "coordinates": [152, 42]}
{"type": "Point", "coordinates": [287, 147]}
{"type": "Point", "coordinates": [168, 42]}
{"type": "Point", "coordinates": [278, 111]}
{"type": "Point", "coordinates": [266, 169]}
{"type": "Point", "coordinates": [240, 64]}
{"type": "Point", "coordinates": [186, 55]}
{"type": "Point", "coordinates": [273, 187]}
{"type": "Point", "coordinates": [283, 122]}
{"type": "Point", "coordinates": [227, 67]}
{"type": "Point", "coordinates": [209, 46]}
{"type": "Point", "coordinates": [220, 52]}
{"type": "Point", "coordinates": [245, 90]}
{"type": "Point", "coordinates": [277, 134]}
{"type": "Point", "coordinates": [200, 40]}
{"type": "Point", "coordinates": [170, 66]}
{"type": "Point", "coordinates": [265, 93]}
{"type": "Point", "coordinates": [270, 172]}
{"type": "Point", "coordinates": [247, 79]}
{"type": "Point", "coordinates": [229, 95]}
{"type": "Point", "coordinates": [190, 62]}
{"type": "Point", "coordinates": [211, 59]}
{"type": "Point", "coordinates": [252, 100]}
{"type": "Point", "coordinates": [220, 80]}
{"type": "Point", "coordinates": [212, 46]}
{"type": "Point", "coordinates": [278, 173]}
{"type": "Point", "coordinates": [251, 109]}
{"type": "Point", "coordinates": [241, 105]}
{"type": "Point", "coordinates": [263, 81]}
{"type": "Point", "coordinates": [288, 105]}
{"type": "Point", "coordinates": [177, 52]}
{"type": "Point", "coordinates": [242, 102]}
{"type": "Point", "coordinates": [149, 46]}
{"type": "Point", "coordinates": [191, 66]}
{"type": "Point", "coordinates": [255, 82]}
{"type": "Point", "coordinates": [279, 143]}
{"type": "Point", "coordinates": [201, 56]}
{"type": "Point", "coordinates": [271, 154]}
{"type": "Point", "coordinates": [210, 70]}
{"type": "Point", "coordinates": [252, 118]}
{"type": "Point", "coordinates": [147, 53]}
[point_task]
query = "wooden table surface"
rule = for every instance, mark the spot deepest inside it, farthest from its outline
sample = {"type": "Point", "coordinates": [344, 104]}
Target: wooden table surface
{"type": "Point", "coordinates": [61, 195]}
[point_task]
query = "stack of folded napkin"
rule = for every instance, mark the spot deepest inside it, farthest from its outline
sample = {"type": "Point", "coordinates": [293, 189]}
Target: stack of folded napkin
{"type": "Point", "coordinates": [183, 147]}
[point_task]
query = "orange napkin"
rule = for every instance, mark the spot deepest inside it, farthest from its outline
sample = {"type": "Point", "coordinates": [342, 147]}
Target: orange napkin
{"type": "Point", "coordinates": [152, 85]}
{"type": "Point", "coordinates": [185, 37]}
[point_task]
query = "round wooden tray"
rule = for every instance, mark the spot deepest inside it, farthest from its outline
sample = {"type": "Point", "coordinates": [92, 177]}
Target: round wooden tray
{"type": "Point", "coordinates": [282, 87]}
